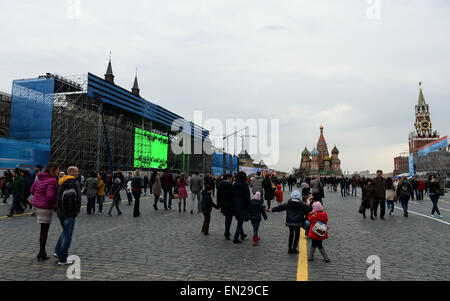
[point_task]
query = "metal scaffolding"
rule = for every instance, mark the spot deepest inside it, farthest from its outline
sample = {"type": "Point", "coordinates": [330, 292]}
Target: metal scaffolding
{"type": "Point", "coordinates": [437, 163]}
{"type": "Point", "coordinates": [78, 136]}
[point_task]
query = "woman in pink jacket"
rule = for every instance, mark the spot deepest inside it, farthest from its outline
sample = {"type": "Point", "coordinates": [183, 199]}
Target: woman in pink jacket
{"type": "Point", "coordinates": [44, 191]}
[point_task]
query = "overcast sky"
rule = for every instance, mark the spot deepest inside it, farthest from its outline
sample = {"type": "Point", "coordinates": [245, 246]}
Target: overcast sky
{"type": "Point", "coordinates": [305, 63]}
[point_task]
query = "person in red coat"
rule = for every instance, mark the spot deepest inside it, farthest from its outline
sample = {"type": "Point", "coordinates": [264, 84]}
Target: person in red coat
{"type": "Point", "coordinates": [421, 187]}
{"type": "Point", "coordinates": [279, 195]}
{"type": "Point", "coordinates": [317, 236]}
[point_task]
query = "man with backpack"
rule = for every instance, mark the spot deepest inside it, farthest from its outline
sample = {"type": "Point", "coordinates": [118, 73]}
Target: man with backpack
{"type": "Point", "coordinates": [67, 208]}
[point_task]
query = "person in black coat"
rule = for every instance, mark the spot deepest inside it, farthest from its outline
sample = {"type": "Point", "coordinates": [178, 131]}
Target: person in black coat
{"type": "Point", "coordinates": [255, 210]}
{"type": "Point", "coordinates": [295, 218]}
{"type": "Point", "coordinates": [225, 202]}
{"type": "Point", "coordinates": [241, 201]}
{"type": "Point", "coordinates": [207, 204]}
{"type": "Point", "coordinates": [269, 192]}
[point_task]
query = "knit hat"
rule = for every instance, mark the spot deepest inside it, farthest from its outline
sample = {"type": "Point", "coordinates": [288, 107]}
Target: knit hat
{"type": "Point", "coordinates": [257, 196]}
{"type": "Point", "coordinates": [317, 206]}
{"type": "Point", "coordinates": [117, 181]}
{"type": "Point", "coordinates": [295, 195]}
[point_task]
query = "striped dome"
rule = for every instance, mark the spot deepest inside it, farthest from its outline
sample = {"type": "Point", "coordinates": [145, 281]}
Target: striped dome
{"type": "Point", "coordinates": [314, 152]}
{"type": "Point", "coordinates": [305, 153]}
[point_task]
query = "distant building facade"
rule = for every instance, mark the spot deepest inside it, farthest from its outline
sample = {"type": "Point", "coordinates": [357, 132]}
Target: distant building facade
{"type": "Point", "coordinates": [318, 161]}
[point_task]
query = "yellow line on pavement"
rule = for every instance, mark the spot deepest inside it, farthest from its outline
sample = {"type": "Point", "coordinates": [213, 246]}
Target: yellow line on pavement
{"type": "Point", "coordinates": [302, 267]}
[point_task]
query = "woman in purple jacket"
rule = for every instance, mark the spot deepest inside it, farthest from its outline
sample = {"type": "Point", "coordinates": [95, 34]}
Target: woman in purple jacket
{"type": "Point", "coordinates": [44, 191]}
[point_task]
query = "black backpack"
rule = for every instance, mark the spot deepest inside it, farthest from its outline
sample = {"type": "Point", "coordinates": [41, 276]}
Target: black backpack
{"type": "Point", "coordinates": [404, 190]}
{"type": "Point", "coordinates": [69, 199]}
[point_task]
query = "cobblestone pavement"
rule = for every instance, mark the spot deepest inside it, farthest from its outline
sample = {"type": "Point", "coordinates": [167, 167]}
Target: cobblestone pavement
{"type": "Point", "coordinates": [168, 245]}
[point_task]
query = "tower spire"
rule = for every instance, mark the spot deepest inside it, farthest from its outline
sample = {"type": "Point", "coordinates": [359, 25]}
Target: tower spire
{"type": "Point", "coordinates": [135, 90]}
{"type": "Point", "coordinates": [422, 101]}
{"type": "Point", "coordinates": [109, 76]}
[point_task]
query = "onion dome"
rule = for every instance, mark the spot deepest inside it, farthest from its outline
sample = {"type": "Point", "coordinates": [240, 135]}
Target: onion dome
{"type": "Point", "coordinates": [327, 158]}
{"type": "Point", "coordinates": [314, 152]}
{"type": "Point", "coordinates": [335, 151]}
{"type": "Point", "coordinates": [306, 153]}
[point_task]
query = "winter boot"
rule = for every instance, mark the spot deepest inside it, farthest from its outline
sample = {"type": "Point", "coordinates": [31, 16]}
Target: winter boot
{"type": "Point", "coordinates": [258, 238]}
{"type": "Point", "coordinates": [311, 253]}
{"type": "Point", "coordinates": [324, 254]}
{"type": "Point", "coordinates": [255, 241]}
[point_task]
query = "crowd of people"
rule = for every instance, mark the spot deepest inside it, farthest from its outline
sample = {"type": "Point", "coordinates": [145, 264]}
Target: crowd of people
{"type": "Point", "coordinates": [239, 197]}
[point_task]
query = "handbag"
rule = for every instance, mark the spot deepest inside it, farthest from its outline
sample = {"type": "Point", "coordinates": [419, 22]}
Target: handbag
{"type": "Point", "coordinates": [362, 208]}
{"type": "Point", "coordinates": [320, 229]}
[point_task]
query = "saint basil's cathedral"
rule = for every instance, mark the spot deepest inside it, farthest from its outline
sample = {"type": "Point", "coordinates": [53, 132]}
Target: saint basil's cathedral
{"type": "Point", "coordinates": [318, 161]}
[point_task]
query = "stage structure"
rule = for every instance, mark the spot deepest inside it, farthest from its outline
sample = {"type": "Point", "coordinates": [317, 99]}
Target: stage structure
{"type": "Point", "coordinates": [92, 123]}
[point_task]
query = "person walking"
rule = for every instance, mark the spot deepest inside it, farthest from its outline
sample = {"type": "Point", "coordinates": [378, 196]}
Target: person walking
{"type": "Point", "coordinates": [256, 184]}
{"type": "Point", "coordinates": [196, 185]}
{"type": "Point", "coordinates": [379, 184]}
{"type": "Point", "coordinates": [44, 191]}
{"type": "Point", "coordinates": [115, 196]}
{"type": "Point", "coordinates": [367, 198]}
{"type": "Point", "coordinates": [8, 184]}
{"type": "Point", "coordinates": [182, 192]}
{"type": "Point", "coordinates": [100, 193]}
{"type": "Point", "coordinates": [128, 190]}
{"type": "Point", "coordinates": [28, 181]}
{"type": "Point", "coordinates": [137, 183]}
{"type": "Point", "coordinates": [391, 196]}
{"type": "Point", "coordinates": [354, 187]}
{"type": "Point", "coordinates": [91, 192]}
{"type": "Point", "coordinates": [206, 205]}
{"type": "Point", "coordinates": [421, 188]}
{"type": "Point", "coordinates": [146, 181]}
{"type": "Point", "coordinates": [155, 181]}
{"type": "Point", "coordinates": [433, 192]}
{"type": "Point", "coordinates": [317, 189]}
{"type": "Point", "coordinates": [269, 190]}
{"type": "Point", "coordinates": [225, 202]}
{"type": "Point", "coordinates": [295, 219]}
{"type": "Point", "coordinates": [241, 201]}
{"type": "Point", "coordinates": [318, 230]}
{"type": "Point", "coordinates": [18, 191]}
{"type": "Point", "coordinates": [167, 184]}
{"type": "Point", "coordinates": [404, 193]}
{"type": "Point", "coordinates": [279, 195]}
{"type": "Point", "coordinates": [68, 206]}
{"type": "Point", "coordinates": [255, 210]}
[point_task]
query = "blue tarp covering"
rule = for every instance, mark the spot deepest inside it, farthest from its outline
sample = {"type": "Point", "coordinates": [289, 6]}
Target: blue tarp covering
{"type": "Point", "coordinates": [31, 109]}
{"type": "Point", "coordinates": [217, 164]}
{"type": "Point", "coordinates": [14, 153]}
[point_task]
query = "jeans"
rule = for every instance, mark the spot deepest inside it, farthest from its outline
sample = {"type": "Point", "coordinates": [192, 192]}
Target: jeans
{"type": "Point", "coordinates": [416, 192]}
{"type": "Point", "coordinates": [420, 195]}
{"type": "Point", "coordinates": [62, 247]}
{"type": "Point", "coordinates": [354, 190]}
{"type": "Point", "coordinates": [16, 206]}
{"type": "Point", "coordinates": [390, 205]}
{"type": "Point", "coordinates": [114, 203]}
{"type": "Point", "coordinates": [129, 197]}
{"type": "Point", "coordinates": [100, 201]}
{"type": "Point", "coordinates": [294, 236]}
{"type": "Point", "coordinates": [255, 225]}
{"type": "Point", "coordinates": [193, 195]}
{"type": "Point", "coordinates": [137, 196]}
{"type": "Point", "coordinates": [91, 205]}
{"type": "Point", "coordinates": [7, 194]}
{"type": "Point", "coordinates": [382, 203]}
{"type": "Point", "coordinates": [434, 198]}
{"type": "Point", "coordinates": [306, 226]}
{"type": "Point", "coordinates": [167, 191]}
{"type": "Point", "coordinates": [239, 229]}
{"type": "Point", "coordinates": [228, 221]}
{"type": "Point", "coordinates": [404, 203]}
{"type": "Point", "coordinates": [207, 215]}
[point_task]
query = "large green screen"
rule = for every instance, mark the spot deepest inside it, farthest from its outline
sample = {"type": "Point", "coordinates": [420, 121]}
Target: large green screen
{"type": "Point", "coordinates": [150, 149]}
